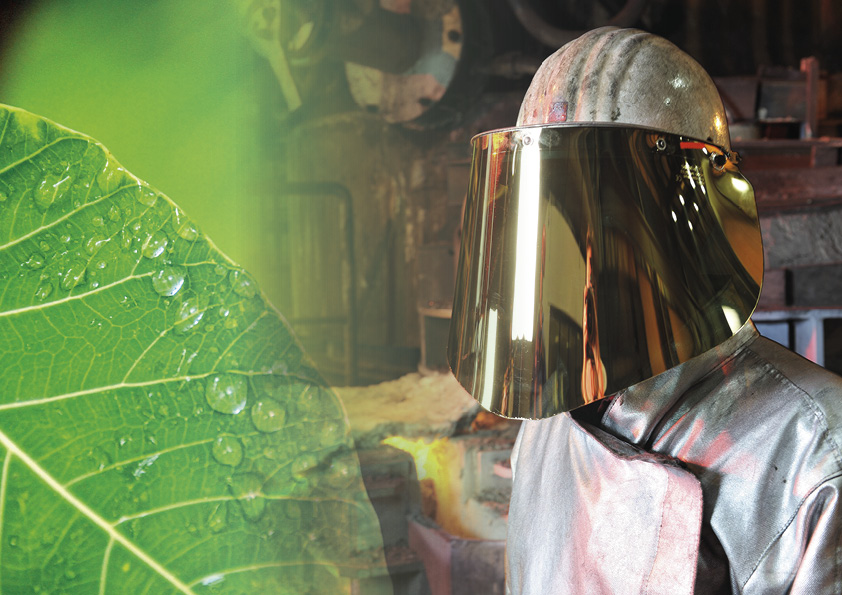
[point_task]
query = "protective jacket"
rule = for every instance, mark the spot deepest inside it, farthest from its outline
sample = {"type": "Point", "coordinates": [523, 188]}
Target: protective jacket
{"type": "Point", "coordinates": [721, 475]}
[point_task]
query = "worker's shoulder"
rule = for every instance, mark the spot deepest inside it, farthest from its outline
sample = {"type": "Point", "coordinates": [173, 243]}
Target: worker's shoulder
{"type": "Point", "coordinates": [820, 388]}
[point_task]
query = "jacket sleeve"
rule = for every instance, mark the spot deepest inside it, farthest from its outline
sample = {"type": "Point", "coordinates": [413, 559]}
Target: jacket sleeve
{"type": "Point", "coordinates": [806, 559]}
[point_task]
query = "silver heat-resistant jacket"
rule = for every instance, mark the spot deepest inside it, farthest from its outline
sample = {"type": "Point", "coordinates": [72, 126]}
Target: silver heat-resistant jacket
{"type": "Point", "coordinates": [722, 475]}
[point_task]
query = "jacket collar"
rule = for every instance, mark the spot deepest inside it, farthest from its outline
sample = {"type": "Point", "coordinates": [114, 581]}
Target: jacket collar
{"type": "Point", "coordinates": [635, 413]}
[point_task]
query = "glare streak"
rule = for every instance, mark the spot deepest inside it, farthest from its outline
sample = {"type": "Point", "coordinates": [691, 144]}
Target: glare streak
{"type": "Point", "coordinates": [490, 347]}
{"type": "Point", "coordinates": [527, 239]}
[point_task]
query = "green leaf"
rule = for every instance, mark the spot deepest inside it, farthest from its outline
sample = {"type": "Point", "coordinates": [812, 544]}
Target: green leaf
{"type": "Point", "coordinates": [161, 430]}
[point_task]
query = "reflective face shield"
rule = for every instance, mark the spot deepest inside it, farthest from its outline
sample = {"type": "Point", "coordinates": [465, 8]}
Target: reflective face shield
{"type": "Point", "coordinates": [595, 257]}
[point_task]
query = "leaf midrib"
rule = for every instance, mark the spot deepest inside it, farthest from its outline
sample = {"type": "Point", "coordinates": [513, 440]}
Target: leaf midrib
{"type": "Point", "coordinates": [13, 449]}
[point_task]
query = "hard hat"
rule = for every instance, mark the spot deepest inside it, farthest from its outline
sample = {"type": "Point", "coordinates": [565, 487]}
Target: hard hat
{"type": "Point", "coordinates": [609, 237]}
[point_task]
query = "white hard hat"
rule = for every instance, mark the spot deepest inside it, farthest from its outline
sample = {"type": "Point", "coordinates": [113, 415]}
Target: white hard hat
{"type": "Point", "coordinates": [607, 238]}
{"type": "Point", "coordinates": [626, 76]}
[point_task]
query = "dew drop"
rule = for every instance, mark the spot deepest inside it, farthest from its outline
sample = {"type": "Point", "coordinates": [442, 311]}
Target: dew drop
{"type": "Point", "coordinates": [227, 393]}
{"type": "Point", "coordinates": [35, 261]}
{"type": "Point", "coordinates": [219, 270]}
{"type": "Point", "coordinates": [110, 177]}
{"type": "Point", "coordinates": [155, 244]}
{"type": "Point", "coordinates": [3, 196]}
{"type": "Point", "coordinates": [303, 464]}
{"type": "Point", "coordinates": [114, 213]}
{"type": "Point", "coordinates": [98, 221]}
{"type": "Point", "coordinates": [44, 290]}
{"type": "Point", "coordinates": [65, 238]}
{"type": "Point", "coordinates": [144, 466]}
{"type": "Point", "coordinates": [100, 458]}
{"type": "Point", "coordinates": [51, 189]}
{"type": "Point", "coordinates": [246, 488]}
{"type": "Point", "coordinates": [168, 281]}
{"type": "Point", "coordinates": [341, 473]}
{"type": "Point", "coordinates": [13, 540]}
{"type": "Point", "coordinates": [242, 284]}
{"type": "Point", "coordinates": [73, 275]}
{"type": "Point", "coordinates": [331, 434]}
{"type": "Point", "coordinates": [189, 314]}
{"type": "Point", "coordinates": [274, 453]}
{"type": "Point", "coordinates": [146, 197]}
{"type": "Point", "coordinates": [126, 238]}
{"type": "Point", "coordinates": [218, 518]}
{"type": "Point", "coordinates": [185, 228]}
{"type": "Point", "coordinates": [93, 243]}
{"type": "Point", "coordinates": [44, 245]}
{"type": "Point", "coordinates": [268, 415]}
{"type": "Point", "coordinates": [227, 450]}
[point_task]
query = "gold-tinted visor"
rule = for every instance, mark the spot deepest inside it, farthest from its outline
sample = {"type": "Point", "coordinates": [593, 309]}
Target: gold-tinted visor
{"type": "Point", "coordinates": [595, 257]}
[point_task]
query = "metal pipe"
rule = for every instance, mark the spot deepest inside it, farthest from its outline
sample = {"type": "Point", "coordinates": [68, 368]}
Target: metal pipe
{"type": "Point", "coordinates": [554, 37]}
{"type": "Point", "coordinates": [337, 191]}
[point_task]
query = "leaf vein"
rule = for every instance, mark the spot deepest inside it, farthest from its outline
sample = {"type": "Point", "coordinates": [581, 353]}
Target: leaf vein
{"type": "Point", "coordinates": [93, 516]}
{"type": "Point", "coordinates": [99, 389]}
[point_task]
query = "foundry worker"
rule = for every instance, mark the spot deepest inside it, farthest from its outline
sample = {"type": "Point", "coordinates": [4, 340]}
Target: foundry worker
{"type": "Point", "coordinates": [611, 259]}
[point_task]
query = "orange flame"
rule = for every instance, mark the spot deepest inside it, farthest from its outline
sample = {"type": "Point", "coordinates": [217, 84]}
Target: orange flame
{"type": "Point", "coordinates": [430, 456]}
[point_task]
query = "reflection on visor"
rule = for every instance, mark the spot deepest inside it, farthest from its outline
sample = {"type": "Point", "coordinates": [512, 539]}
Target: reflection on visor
{"type": "Point", "coordinates": [594, 257]}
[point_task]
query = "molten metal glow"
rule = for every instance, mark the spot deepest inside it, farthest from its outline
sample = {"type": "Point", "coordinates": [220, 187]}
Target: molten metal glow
{"type": "Point", "coordinates": [430, 457]}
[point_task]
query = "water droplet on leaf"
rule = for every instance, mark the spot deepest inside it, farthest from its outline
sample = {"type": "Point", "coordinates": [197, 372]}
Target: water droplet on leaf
{"type": "Point", "coordinates": [268, 415]}
{"type": "Point", "coordinates": [341, 473]}
{"type": "Point", "coordinates": [168, 281]}
{"type": "Point", "coordinates": [73, 275]}
{"type": "Point", "coordinates": [144, 465]}
{"type": "Point", "coordinates": [185, 228]}
{"type": "Point", "coordinates": [189, 313]}
{"type": "Point", "coordinates": [146, 197]}
{"type": "Point", "coordinates": [98, 221]}
{"type": "Point", "coordinates": [126, 238]}
{"type": "Point", "coordinates": [44, 290]}
{"type": "Point", "coordinates": [303, 464]}
{"type": "Point", "coordinates": [51, 189]}
{"type": "Point", "coordinates": [35, 261]}
{"type": "Point", "coordinates": [100, 458]}
{"type": "Point", "coordinates": [218, 518]}
{"type": "Point", "coordinates": [246, 488]}
{"type": "Point", "coordinates": [110, 177]}
{"type": "Point", "coordinates": [114, 213]}
{"type": "Point", "coordinates": [242, 284]}
{"type": "Point", "coordinates": [227, 393]}
{"type": "Point", "coordinates": [331, 434]}
{"type": "Point", "coordinates": [155, 244]}
{"type": "Point", "coordinates": [227, 450]}
{"type": "Point", "coordinates": [93, 243]}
